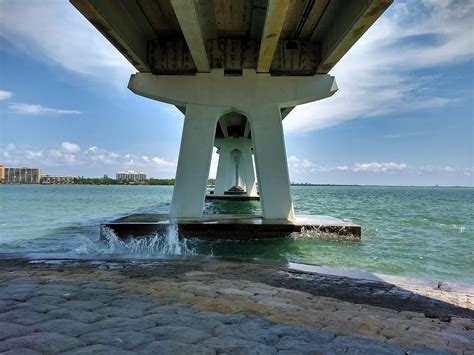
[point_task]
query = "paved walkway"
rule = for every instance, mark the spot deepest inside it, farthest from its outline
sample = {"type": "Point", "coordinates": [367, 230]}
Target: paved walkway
{"type": "Point", "coordinates": [210, 307]}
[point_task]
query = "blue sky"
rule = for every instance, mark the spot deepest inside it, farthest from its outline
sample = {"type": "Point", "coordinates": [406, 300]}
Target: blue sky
{"type": "Point", "coordinates": [403, 114]}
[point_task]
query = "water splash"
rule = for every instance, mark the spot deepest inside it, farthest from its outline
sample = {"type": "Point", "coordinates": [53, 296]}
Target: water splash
{"type": "Point", "coordinates": [316, 233]}
{"type": "Point", "coordinates": [157, 245]}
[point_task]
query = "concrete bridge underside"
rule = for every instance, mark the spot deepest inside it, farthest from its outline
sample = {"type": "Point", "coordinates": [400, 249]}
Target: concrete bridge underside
{"type": "Point", "coordinates": [235, 68]}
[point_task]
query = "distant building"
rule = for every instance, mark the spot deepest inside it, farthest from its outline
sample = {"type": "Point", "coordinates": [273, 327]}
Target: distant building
{"type": "Point", "coordinates": [2, 174]}
{"type": "Point", "coordinates": [50, 179]}
{"type": "Point", "coordinates": [130, 176]}
{"type": "Point", "coordinates": [22, 175]}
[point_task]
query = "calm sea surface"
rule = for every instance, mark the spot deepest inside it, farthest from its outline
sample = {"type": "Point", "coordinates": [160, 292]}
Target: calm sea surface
{"type": "Point", "coordinates": [411, 231]}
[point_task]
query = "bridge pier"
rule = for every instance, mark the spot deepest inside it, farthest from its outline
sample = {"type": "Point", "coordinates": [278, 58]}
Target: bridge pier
{"type": "Point", "coordinates": [234, 81]}
{"type": "Point", "coordinates": [258, 99]}
{"type": "Point", "coordinates": [270, 162]}
{"type": "Point", "coordinates": [227, 166]}
{"type": "Point", "coordinates": [194, 160]}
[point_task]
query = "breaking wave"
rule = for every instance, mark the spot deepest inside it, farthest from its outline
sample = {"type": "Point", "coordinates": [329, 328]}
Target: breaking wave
{"type": "Point", "coordinates": [157, 245]}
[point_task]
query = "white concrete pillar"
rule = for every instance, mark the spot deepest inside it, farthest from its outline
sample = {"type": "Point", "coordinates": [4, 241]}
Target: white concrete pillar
{"type": "Point", "coordinates": [235, 171]}
{"type": "Point", "coordinates": [270, 161]}
{"type": "Point", "coordinates": [222, 171]}
{"type": "Point", "coordinates": [249, 173]}
{"type": "Point", "coordinates": [194, 160]}
{"type": "Point", "coordinates": [225, 177]}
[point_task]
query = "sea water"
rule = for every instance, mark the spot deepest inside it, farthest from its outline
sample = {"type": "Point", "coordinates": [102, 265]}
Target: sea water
{"type": "Point", "coordinates": [422, 232]}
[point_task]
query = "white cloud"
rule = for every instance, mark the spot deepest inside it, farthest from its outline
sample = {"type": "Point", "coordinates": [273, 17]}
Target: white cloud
{"type": "Point", "coordinates": [163, 162]}
{"type": "Point", "coordinates": [5, 95]}
{"type": "Point", "coordinates": [69, 154]}
{"type": "Point", "coordinates": [55, 31]}
{"type": "Point", "coordinates": [380, 74]}
{"type": "Point", "coordinates": [71, 148]}
{"type": "Point", "coordinates": [438, 169]}
{"type": "Point", "coordinates": [298, 166]}
{"type": "Point", "coordinates": [31, 109]}
{"type": "Point", "coordinates": [375, 167]}
{"type": "Point", "coordinates": [304, 166]}
{"type": "Point", "coordinates": [468, 171]}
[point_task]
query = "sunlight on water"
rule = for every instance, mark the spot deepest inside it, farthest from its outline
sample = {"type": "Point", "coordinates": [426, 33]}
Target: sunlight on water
{"type": "Point", "coordinates": [151, 246]}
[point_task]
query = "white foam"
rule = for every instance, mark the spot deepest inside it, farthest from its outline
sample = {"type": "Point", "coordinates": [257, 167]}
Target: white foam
{"type": "Point", "coordinates": [157, 245]}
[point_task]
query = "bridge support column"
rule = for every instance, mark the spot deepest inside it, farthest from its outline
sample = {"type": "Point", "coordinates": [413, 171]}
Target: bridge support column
{"type": "Point", "coordinates": [225, 177]}
{"type": "Point", "coordinates": [194, 160]}
{"type": "Point", "coordinates": [271, 163]}
{"type": "Point", "coordinates": [249, 173]}
{"type": "Point", "coordinates": [223, 169]}
{"type": "Point", "coordinates": [207, 96]}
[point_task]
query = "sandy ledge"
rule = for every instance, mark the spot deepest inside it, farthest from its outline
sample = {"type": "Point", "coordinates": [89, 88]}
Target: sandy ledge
{"type": "Point", "coordinates": [218, 306]}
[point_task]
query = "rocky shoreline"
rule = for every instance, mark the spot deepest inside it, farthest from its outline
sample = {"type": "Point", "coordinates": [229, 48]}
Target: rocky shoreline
{"type": "Point", "coordinates": [220, 306]}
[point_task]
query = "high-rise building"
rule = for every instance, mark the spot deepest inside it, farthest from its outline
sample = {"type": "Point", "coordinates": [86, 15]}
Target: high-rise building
{"type": "Point", "coordinates": [2, 173]}
{"type": "Point", "coordinates": [22, 175]}
{"type": "Point", "coordinates": [130, 176]}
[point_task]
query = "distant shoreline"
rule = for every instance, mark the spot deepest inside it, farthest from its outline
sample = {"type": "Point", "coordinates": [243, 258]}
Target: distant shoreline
{"type": "Point", "coordinates": [170, 182]}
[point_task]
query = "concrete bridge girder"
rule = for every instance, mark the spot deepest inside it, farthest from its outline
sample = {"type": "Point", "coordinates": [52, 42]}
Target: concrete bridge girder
{"type": "Point", "coordinates": [244, 91]}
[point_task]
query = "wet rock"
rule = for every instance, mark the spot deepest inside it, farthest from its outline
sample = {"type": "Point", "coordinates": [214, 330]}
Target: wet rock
{"type": "Point", "coordinates": [248, 330]}
{"type": "Point", "coordinates": [125, 323]}
{"type": "Point", "coordinates": [308, 335]}
{"type": "Point", "coordinates": [206, 325]}
{"type": "Point", "coordinates": [99, 349]}
{"type": "Point", "coordinates": [132, 303]}
{"type": "Point", "coordinates": [80, 316]}
{"type": "Point", "coordinates": [181, 334]}
{"type": "Point", "coordinates": [8, 330]}
{"type": "Point", "coordinates": [24, 317]}
{"type": "Point", "coordinates": [50, 343]}
{"type": "Point", "coordinates": [64, 326]}
{"type": "Point", "coordinates": [37, 307]}
{"type": "Point", "coordinates": [6, 305]}
{"type": "Point", "coordinates": [83, 305]}
{"type": "Point", "coordinates": [45, 299]}
{"type": "Point", "coordinates": [21, 351]}
{"type": "Point", "coordinates": [125, 312]}
{"type": "Point", "coordinates": [366, 346]}
{"type": "Point", "coordinates": [167, 347]}
{"type": "Point", "coordinates": [118, 337]}
{"type": "Point", "coordinates": [231, 345]}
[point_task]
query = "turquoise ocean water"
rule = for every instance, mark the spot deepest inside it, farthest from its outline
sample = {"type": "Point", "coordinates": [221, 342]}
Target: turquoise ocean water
{"type": "Point", "coordinates": [420, 232]}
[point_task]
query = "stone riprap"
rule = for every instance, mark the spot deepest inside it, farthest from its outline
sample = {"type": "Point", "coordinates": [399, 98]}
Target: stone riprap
{"type": "Point", "coordinates": [220, 307]}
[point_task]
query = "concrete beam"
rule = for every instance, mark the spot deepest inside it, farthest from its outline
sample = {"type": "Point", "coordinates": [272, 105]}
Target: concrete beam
{"type": "Point", "coordinates": [259, 9]}
{"type": "Point", "coordinates": [274, 21]}
{"type": "Point", "coordinates": [207, 19]}
{"type": "Point", "coordinates": [233, 91]}
{"type": "Point", "coordinates": [342, 26]}
{"type": "Point", "coordinates": [187, 14]}
{"type": "Point", "coordinates": [124, 26]}
{"type": "Point", "coordinates": [223, 126]}
{"type": "Point", "coordinates": [285, 111]}
{"type": "Point", "coordinates": [247, 129]}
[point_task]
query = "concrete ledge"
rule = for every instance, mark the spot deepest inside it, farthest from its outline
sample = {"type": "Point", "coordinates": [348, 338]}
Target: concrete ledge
{"type": "Point", "coordinates": [232, 198]}
{"type": "Point", "coordinates": [231, 226]}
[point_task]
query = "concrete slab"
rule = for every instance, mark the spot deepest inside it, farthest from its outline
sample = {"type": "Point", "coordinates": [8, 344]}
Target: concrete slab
{"type": "Point", "coordinates": [212, 197]}
{"type": "Point", "coordinates": [232, 226]}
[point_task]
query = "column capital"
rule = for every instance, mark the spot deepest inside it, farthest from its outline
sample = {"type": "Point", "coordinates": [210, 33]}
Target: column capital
{"type": "Point", "coordinates": [235, 92]}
